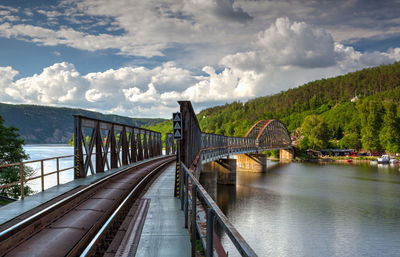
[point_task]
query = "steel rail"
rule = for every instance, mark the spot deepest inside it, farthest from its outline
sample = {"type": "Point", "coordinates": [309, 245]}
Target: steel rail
{"type": "Point", "coordinates": [105, 226]}
{"type": "Point", "coordinates": [11, 230]}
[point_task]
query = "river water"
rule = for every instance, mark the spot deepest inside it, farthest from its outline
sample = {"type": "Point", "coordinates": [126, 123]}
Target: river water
{"type": "Point", "coordinates": [44, 151]}
{"type": "Point", "coordinates": [303, 209]}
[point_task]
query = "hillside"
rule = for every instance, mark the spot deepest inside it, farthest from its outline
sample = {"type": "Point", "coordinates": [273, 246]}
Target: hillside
{"type": "Point", "coordinates": [54, 125]}
{"type": "Point", "coordinates": [358, 110]}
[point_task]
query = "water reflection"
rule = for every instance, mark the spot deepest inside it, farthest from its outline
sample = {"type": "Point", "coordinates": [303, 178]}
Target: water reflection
{"type": "Point", "coordinates": [303, 209]}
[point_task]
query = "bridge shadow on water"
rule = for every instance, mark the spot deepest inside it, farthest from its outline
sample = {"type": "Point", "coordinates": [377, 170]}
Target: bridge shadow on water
{"type": "Point", "coordinates": [232, 197]}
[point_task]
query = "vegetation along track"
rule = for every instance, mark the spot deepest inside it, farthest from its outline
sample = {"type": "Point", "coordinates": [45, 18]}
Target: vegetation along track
{"type": "Point", "coordinates": [67, 227]}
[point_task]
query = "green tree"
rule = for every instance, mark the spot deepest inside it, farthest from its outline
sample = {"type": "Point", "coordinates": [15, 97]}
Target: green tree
{"type": "Point", "coordinates": [390, 132]}
{"type": "Point", "coordinates": [304, 143]}
{"type": "Point", "coordinates": [371, 120]}
{"type": "Point", "coordinates": [315, 130]}
{"type": "Point", "coordinates": [11, 151]}
{"type": "Point", "coordinates": [350, 141]}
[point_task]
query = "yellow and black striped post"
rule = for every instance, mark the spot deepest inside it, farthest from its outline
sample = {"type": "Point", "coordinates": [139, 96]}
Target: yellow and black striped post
{"type": "Point", "coordinates": [177, 132]}
{"type": "Point", "coordinates": [177, 180]}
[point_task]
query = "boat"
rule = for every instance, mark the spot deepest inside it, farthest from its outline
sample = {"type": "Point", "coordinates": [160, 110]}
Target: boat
{"type": "Point", "coordinates": [384, 159]}
{"type": "Point", "coordinates": [349, 160]}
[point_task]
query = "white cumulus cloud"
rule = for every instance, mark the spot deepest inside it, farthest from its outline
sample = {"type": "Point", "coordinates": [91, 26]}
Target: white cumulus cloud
{"type": "Point", "coordinates": [285, 54]}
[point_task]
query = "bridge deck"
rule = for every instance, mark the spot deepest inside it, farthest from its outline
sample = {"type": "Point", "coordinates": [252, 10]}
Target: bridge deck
{"type": "Point", "coordinates": [164, 233]}
{"type": "Point", "coordinates": [15, 209]}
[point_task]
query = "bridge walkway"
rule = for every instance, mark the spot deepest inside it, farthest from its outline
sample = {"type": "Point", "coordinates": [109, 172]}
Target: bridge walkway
{"type": "Point", "coordinates": [164, 232]}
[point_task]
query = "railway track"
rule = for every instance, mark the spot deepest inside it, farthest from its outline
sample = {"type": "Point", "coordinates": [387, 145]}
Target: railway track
{"type": "Point", "coordinates": [85, 222]}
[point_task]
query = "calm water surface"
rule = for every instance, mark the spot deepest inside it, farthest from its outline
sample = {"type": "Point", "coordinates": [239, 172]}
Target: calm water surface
{"type": "Point", "coordinates": [43, 151]}
{"type": "Point", "coordinates": [301, 209]}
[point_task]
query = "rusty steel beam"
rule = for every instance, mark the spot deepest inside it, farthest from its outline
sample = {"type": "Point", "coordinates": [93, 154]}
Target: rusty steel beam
{"type": "Point", "coordinates": [270, 133]}
{"type": "Point", "coordinates": [134, 144]}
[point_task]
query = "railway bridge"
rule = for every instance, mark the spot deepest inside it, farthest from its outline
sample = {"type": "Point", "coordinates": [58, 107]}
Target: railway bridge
{"type": "Point", "coordinates": [103, 211]}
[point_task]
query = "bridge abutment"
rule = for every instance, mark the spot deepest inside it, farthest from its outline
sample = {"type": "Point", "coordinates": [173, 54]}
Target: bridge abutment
{"type": "Point", "coordinates": [252, 162]}
{"type": "Point", "coordinates": [286, 154]}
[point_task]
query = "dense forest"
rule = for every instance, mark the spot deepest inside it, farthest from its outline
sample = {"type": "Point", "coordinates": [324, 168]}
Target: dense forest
{"type": "Point", "coordinates": [358, 110]}
{"type": "Point", "coordinates": [54, 125]}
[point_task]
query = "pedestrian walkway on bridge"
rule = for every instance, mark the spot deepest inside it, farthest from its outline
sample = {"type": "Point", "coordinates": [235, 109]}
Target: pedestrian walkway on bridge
{"type": "Point", "coordinates": [164, 233]}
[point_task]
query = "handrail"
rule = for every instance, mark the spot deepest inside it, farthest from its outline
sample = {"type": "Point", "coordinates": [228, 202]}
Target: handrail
{"type": "Point", "coordinates": [23, 180]}
{"type": "Point", "coordinates": [213, 211]}
{"type": "Point", "coordinates": [193, 145]}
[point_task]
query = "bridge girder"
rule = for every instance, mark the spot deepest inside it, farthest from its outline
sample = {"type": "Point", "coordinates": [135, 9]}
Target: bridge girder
{"type": "Point", "coordinates": [270, 134]}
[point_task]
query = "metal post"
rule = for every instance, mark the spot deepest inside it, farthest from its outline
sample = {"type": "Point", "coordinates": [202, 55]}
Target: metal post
{"type": "Point", "coordinates": [125, 146]}
{"type": "Point", "coordinates": [99, 149]}
{"type": "Point", "coordinates": [194, 214]}
{"type": "Point", "coordinates": [133, 147]}
{"type": "Point", "coordinates": [42, 174]}
{"type": "Point", "coordinates": [79, 170]}
{"type": "Point", "coordinates": [210, 232]}
{"type": "Point", "coordinates": [186, 199]}
{"type": "Point", "coordinates": [113, 150]}
{"type": "Point", "coordinates": [21, 169]}
{"type": "Point", "coordinates": [180, 174]}
{"type": "Point", "coordinates": [58, 171]}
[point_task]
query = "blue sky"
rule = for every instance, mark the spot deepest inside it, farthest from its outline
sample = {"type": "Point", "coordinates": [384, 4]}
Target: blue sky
{"type": "Point", "coordinates": [137, 58]}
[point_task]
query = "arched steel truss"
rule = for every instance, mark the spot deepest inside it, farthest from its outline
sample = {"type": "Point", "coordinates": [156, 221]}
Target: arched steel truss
{"type": "Point", "coordinates": [270, 134]}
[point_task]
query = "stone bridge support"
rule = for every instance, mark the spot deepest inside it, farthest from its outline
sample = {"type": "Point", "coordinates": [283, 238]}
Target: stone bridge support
{"type": "Point", "coordinates": [225, 168]}
{"type": "Point", "coordinates": [286, 154]}
{"type": "Point", "coordinates": [252, 162]}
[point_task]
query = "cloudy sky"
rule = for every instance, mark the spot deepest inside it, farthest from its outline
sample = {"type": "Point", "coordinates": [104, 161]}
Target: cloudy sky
{"type": "Point", "coordinates": [137, 58]}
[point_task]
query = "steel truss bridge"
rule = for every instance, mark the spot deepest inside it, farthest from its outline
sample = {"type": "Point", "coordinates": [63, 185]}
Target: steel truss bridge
{"type": "Point", "coordinates": [203, 147]}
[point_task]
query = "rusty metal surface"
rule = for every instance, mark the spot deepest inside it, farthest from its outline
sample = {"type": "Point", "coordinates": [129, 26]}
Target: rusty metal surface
{"type": "Point", "coordinates": [61, 232]}
{"type": "Point", "coordinates": [113, 144]}
{"type": "Point", "coordinates": [270, 134]}
{"type": "Point", "coordinates": [130, 241]}
{"type": "Point", "coordinates": [101, 205]}
{"type": "Point", "coordinates": [109, 193]}
{"type": "Point", "coordinates": [79, 219]}
{"type": "Point", "coordinates": [51, 242]}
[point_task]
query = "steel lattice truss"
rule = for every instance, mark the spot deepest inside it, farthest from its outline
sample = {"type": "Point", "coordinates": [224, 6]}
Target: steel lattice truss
{"type": "Point", "coordinates": [270, 134]}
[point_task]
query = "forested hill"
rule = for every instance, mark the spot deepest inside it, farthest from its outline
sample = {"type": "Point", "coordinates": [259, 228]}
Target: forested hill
{"type": "Point", "coordinates": [54, 125]}
{"type": "Point", "coordinates": [355, 109]}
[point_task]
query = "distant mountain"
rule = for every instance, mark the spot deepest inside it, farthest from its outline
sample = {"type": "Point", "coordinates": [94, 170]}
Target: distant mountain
{"type": "Point", "coordinates": [54, 125]}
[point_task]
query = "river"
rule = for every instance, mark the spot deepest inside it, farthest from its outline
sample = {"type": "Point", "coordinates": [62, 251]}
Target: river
{"type": "Point", "coordinates": [304, 209]}
{"type": "Point", "coordinates": [43, 151]}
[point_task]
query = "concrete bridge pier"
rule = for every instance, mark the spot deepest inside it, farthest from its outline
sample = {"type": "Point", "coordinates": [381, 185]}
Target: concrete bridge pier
{"type": "Point", "coordinates": [252, 162]}
{"type": "Point", "coordinates": [286, 154]}
{"type": "Point", "coordinates": [208, 179]}
{"type": "Point", "coordinates": [225, 169]}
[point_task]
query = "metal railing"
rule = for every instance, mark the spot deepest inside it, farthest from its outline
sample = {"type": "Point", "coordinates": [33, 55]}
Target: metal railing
{"type": "Point", "coordinates": [125, 144]}
{"type": "Point", "coordinates": [22, 181]}
{"type": "Point", "coordinates": [192, 189]}
{"type": "Point", "coordinates": [195, 146]}
{"type": "Point", "coordinates": [212, 140]}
